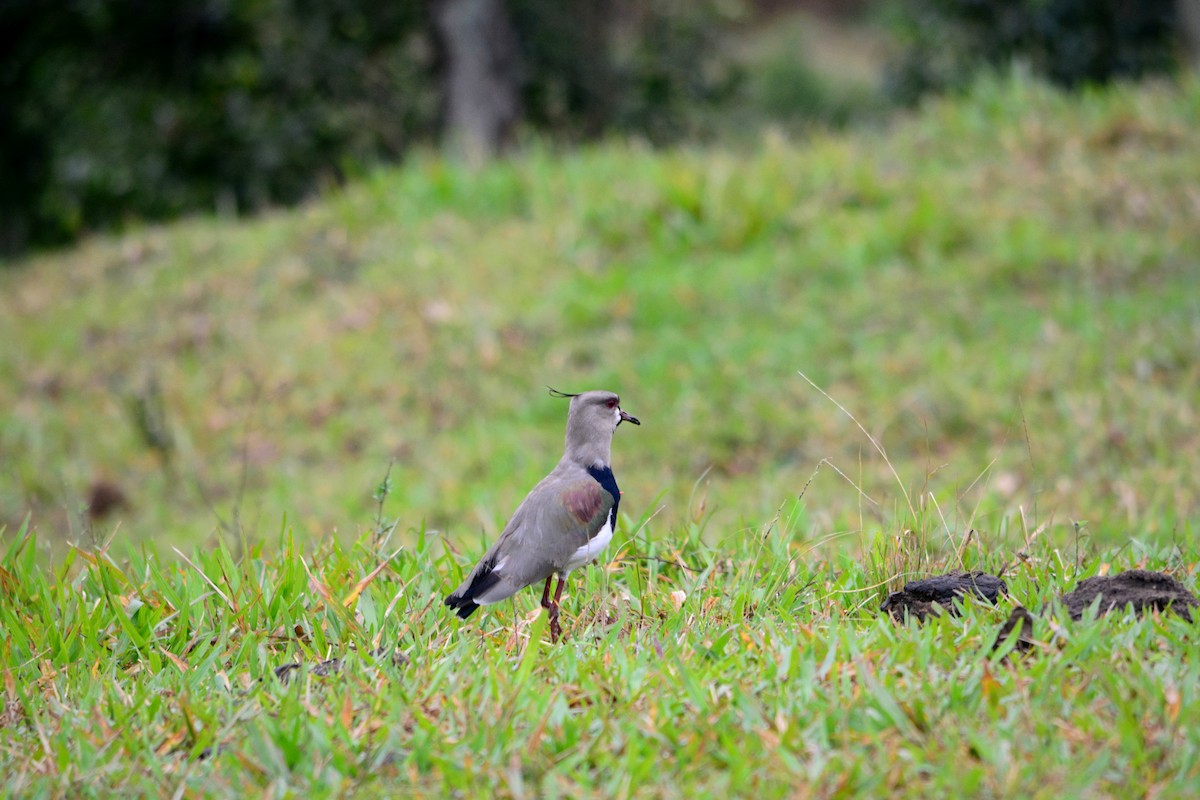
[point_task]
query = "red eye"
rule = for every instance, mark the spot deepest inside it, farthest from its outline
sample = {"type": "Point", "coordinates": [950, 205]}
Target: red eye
{"type": "Point", "coordinates": [611, 402]}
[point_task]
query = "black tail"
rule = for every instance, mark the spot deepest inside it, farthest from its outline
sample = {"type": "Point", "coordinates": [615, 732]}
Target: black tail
{"type": "Point", "coordinates": [482, 579]}
{"type": "Point", "coordinates": [462, 606]}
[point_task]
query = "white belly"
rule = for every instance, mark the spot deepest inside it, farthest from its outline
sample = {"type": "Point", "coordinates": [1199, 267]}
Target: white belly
{"type": "Point", "coordinates": [593, 548]}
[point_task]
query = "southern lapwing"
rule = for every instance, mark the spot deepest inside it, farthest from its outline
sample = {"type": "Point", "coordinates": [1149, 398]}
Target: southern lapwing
{"type": "Point", "coordinates": [564, 523]}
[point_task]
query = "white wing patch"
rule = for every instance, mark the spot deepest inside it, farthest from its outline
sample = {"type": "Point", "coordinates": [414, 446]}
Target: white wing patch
{"type": "Point", "coordinates": [593, 548]}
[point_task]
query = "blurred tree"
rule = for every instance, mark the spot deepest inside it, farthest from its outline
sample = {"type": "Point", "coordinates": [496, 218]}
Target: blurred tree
{"type": "Point", "coordinates": [482, 78]}
{"type": "Point", "coordinates": [1188, 12]}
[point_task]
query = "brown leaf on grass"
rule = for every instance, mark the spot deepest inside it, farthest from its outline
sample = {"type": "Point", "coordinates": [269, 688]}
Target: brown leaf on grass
{"type": "Point", "coordinates": [101, 723]}
{"type": "Point", "coordinates": [352, 598]}
{"type": "Point", "coordinates": [172, 742]}
{"type": "Point", "coordinates": [179, 663]}
{"type": "Point", "coordinates": [321, 589]}
{"type": "Point", "coordinates": [1173, 701]}
{"type": "Point", "coordinates": [8, 583]}
{"type": "Point", "coordinates": [769, 738]}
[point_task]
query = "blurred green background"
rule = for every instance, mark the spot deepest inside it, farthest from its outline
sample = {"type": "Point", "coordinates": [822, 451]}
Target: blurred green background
{"type": "Point", "coordinates": [269, 282]}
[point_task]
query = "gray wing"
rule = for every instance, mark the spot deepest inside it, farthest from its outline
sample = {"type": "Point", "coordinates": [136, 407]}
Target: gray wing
{"type": "Point", "coordinates": [559, 516]}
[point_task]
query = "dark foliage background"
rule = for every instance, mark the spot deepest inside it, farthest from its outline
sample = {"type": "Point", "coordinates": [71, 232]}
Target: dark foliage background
{"type": "Point", "coordinates": [118, 110]}
{"type": "Point", "coordinates": [1070, 42]}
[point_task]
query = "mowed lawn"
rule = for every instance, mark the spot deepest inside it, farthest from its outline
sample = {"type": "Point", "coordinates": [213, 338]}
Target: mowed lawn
{"type": "Point", "coordinates": [967, 339]}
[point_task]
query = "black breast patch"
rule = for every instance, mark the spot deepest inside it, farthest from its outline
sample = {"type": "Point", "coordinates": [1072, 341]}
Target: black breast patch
{"type": "Point", "coordinates": [604, 477]}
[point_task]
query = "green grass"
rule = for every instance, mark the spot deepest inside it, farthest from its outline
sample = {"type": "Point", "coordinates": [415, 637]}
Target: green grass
{"type": "Point", "coordinates": [1002, 289]}
{"type": "Point", "coordinates": [760, 669]}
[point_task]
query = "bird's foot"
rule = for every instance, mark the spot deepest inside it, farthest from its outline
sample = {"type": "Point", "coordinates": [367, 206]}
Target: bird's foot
{"type": "Point", "coordinates": [555, 628]}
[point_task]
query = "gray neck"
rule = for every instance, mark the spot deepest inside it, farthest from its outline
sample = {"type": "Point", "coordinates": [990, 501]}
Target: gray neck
{"type": "Point", "coordinates": [588, 448]}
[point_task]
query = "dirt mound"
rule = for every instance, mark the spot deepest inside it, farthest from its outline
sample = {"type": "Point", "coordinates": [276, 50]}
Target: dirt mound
{"type": "Point", "coordinates": [1138, 589]}
{"type": "Point", "coordinates": [920, 598]}
{"type": "Point", "coordinates": [1141, 589]}
{"type": "Point", "coordinates": [1020, 621]}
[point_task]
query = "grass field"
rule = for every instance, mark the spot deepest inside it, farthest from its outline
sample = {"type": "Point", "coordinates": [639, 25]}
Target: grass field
{"type": "Point", "coordinates": [1002, 291]}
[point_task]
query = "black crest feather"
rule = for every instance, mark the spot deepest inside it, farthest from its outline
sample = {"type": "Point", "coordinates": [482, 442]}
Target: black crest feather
{"type": "Point", "coordinates": [556, 393]}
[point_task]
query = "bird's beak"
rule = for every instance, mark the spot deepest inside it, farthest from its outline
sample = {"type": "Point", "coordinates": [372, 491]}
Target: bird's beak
{"type": "Point", "coordinates": [627, 418]}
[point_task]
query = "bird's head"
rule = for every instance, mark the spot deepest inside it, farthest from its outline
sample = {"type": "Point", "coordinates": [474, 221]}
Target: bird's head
{"type": "Point", "coordinates": [591, 422]}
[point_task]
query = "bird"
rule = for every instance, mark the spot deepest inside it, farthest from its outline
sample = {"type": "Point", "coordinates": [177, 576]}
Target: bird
{"type": "Point", "coordinates": [564, 522]}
